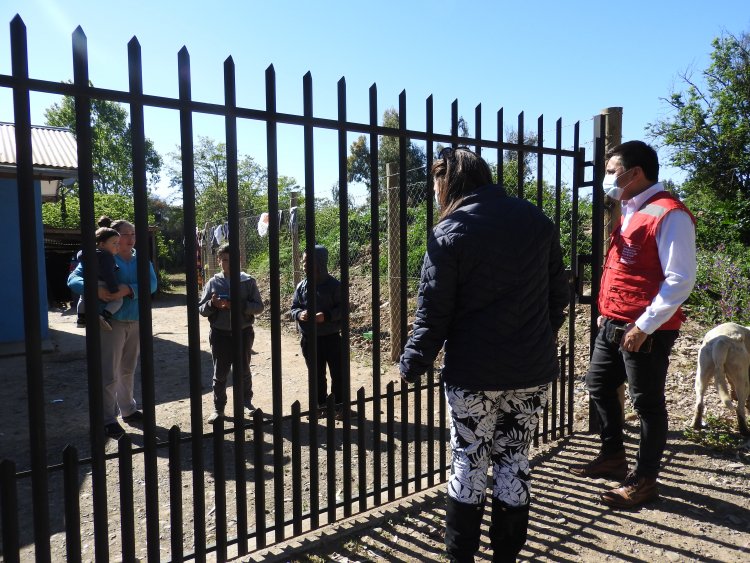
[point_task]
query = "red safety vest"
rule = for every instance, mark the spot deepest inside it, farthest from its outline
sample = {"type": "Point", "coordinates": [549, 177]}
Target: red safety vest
{"type": "Point", "coordinates": [633, 272]}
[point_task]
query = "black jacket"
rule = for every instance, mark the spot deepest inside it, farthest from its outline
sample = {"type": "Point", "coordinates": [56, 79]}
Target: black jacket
{"type": "Point", "coordinates": [327, 298]}
{"type": "Point", "coordinates": [493, 290]}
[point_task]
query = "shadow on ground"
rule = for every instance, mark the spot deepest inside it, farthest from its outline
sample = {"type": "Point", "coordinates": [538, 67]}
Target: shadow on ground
{"type": "Point", "coordinates": [697, 518]}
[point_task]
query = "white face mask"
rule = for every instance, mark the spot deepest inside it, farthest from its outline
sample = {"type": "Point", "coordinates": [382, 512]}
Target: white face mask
{"type": "Point", "coordinates": [610, 187]}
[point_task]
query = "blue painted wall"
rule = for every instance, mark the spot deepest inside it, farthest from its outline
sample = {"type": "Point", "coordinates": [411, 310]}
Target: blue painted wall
{"type": "Point", "coordinates": [11, 281]}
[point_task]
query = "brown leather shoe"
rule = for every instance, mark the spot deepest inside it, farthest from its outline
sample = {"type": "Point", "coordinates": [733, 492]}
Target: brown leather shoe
{"type": "Point", "coordinates": [604, 465]}
{"type": "Point", "coordinates": [633, 492]}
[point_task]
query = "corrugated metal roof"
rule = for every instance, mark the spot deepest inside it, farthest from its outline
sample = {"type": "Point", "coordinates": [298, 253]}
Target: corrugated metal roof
{"type": "Point", "coordinates": [51, 147]}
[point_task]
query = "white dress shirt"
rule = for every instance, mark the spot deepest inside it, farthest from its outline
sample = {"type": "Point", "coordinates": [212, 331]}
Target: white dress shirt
{"type": "Point", "coordinates": [675, 240]}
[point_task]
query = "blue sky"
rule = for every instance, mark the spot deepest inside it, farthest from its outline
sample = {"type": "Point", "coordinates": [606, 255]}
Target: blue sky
{"type": "Point", "coordinates": [563, 59]}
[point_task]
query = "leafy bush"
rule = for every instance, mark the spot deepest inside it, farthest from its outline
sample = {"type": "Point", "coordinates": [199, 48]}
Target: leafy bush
{"type": "Point", "coordinates": [722, 288]}
{"type": "Point", "coordinates": [327, 228]}
{"type": "Point", "coordinates": [116, 206]}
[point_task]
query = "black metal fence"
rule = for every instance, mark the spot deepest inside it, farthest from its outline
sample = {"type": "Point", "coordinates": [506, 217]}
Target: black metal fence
{"type": "Point", "coordinates": [277, 474]}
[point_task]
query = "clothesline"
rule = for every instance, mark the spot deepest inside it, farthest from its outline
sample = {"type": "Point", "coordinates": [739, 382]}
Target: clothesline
{"type": "Point", "coordinates": [216, 235]}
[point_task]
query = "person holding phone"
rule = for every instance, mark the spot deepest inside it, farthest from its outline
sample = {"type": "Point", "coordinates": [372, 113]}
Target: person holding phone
{"type": "Point", "coordinates": [649, 272]}
{"type": "Point", "coordinates": [216, 306]}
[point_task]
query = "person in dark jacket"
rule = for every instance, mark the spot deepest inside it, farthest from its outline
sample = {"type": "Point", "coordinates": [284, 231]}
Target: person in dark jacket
{"type": "Point", "coordinates": [216, 306]}
{"type": "Point", "coordinates": [492, 294]}
{"type": "Point", "coordinates": [328, 324]}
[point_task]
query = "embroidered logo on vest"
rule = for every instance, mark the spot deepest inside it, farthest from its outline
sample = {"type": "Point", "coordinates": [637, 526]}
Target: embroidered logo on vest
{"type": "Point", "coordinates": [629, 253]}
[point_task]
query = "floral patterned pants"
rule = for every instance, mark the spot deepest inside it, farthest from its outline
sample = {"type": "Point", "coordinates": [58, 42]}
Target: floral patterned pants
{"type": "Point", "coordinates": [494, 426]}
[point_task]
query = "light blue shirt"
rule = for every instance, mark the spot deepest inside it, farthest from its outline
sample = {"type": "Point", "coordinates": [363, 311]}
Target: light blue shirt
{"type": "Point", "coordinates": [126, 274]}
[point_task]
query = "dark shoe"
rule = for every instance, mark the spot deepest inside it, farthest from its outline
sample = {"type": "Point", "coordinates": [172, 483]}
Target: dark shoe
{"type": "Point", "coordinates": [135, 417]}
{"type": "Point", "coordinates": [604, 465]}
{"type": "Point", "coordinates": [508, 530]}
{"type": "Point", "coordinates": [339, 414]}
{"type": "Point", "coordinates": [81, 321]}
{"type": "Point", "coordinates": [105, 324]}
{"type": "Point", "coordinates": [114, 430]}
{"type": "Point", "coordinates": [633, 492]}
{"type": "Point", "coordinates": [462, 529]}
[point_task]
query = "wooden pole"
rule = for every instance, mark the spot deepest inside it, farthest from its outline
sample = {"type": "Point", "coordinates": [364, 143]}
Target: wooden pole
{"type": "Point", "coordinates": [296, 258]}
{"type": "Point", "coordinates": [394, 259]}
{"type": "Point", "coordinates": [612, 209]}
{"type": "Point", "coordinates": [243, 244]}
{"type": "Point", "coordinates": [612, 138]}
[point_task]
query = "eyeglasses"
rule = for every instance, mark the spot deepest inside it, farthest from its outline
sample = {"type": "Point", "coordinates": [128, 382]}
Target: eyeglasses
{"type": "Point", "coordinates": [447, 152]}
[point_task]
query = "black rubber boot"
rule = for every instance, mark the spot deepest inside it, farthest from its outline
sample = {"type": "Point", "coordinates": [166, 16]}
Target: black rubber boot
{"type": "Point", "coordinates": [462, 530]}
{"type": "Point", "coordinates": [508, 531]}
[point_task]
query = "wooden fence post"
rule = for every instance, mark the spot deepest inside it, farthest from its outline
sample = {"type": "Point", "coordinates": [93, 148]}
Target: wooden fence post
{"type": "Point", "coordinates": [612, 209]}
{"type": "Point", "coordinates": [394, 259]}
{"type": "Point", "coordinates": [296, 258]}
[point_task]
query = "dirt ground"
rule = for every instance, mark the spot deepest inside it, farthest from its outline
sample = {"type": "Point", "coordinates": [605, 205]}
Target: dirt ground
{"type": "Point", "coordinates": [703, 513]}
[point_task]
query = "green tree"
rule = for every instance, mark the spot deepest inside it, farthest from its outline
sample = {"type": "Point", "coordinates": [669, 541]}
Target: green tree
{"type": "Point", "coordinates": [116, 206]}
{"type": "Point", "coordinates": [112, 147]}
{"type": "Point", "coordinates": [358, 163]}
{"type": "Point", "coordinates": [708, 133]}
{"type": "Point", "coordinates": [210, 170]}
{"type": "Point", "coordinates": [463, 131]}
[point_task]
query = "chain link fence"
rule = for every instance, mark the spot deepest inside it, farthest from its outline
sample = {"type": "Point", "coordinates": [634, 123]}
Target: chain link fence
{"type": "Point", "coordinates": [255, 253]}
{"type": "Point", "coordinates": [255, 249]}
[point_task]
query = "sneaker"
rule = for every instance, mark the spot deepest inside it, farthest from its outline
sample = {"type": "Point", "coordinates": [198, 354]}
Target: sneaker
{"type": "Point", "coordinates": [104, 324]}
{"type": "Point", "coordinates": [250, 409]}
{"type": "Point", "coordinates": [134, 418]}
{"type": "Point", "coordinates": [114, 430]}
{"type": "Point", "coordinates": [604, 465]}
{"type": "Point", "coordinates": [633, 492]}
{"type": "Point", "coordinates": [214, 416]}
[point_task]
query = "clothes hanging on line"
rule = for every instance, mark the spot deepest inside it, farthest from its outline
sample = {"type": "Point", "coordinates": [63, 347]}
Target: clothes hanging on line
{"type": "Point", "coordinates": [263, 224]}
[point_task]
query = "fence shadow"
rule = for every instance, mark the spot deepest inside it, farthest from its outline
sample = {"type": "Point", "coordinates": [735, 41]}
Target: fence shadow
{"type": "Point", "coordinates": [567, 523]}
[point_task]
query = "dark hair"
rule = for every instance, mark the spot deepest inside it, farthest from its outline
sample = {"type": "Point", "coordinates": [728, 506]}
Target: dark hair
{"type": "Point", "coordinates": [103, 234]}
{"type": "Point", "coordinates": [120, 223]}
{"type": "Point", "coordinates": [637, 153]}
{"type": "Point", "coordinates": [459, 171]}
{"type": "Point", "coordinates": [104, 221]}
{"type": "Point", "coordinates": [223, 249]}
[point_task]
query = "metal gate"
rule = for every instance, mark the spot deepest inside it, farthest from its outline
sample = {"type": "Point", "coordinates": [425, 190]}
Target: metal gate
{"type": "Point", "coordinates": [393, 439]}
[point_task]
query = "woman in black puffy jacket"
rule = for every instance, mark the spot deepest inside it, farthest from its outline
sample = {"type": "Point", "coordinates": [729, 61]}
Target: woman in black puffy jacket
{"type": "Point", "coordinates": [492, 293]}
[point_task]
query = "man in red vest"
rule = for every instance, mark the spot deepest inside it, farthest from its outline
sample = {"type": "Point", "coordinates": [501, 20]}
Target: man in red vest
{"type": "Point", "coordinates": [649, 272]}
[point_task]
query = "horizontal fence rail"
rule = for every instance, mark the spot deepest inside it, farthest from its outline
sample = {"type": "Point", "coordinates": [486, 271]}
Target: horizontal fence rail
{"type": "Point", "coordinates": [254, 480]}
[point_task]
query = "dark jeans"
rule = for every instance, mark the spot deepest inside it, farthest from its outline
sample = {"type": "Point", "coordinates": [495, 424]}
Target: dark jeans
{"type": "Point", "coordinates": [221, 351]}
{"type": "Point", "coordinates": [329, 352]}
{"type": "Point", "coordinates": [645, 374]}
